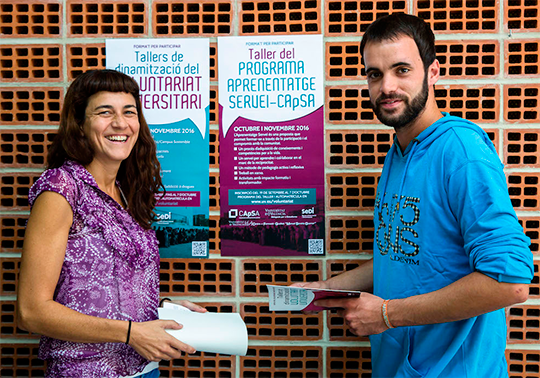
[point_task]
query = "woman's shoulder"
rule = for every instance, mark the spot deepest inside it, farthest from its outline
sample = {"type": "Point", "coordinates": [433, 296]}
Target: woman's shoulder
{"type": "Point", "coordinates": [59, 180]}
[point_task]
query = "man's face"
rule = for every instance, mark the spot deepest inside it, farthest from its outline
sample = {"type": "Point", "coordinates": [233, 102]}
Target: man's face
{"type": "Point", "coordinates": [398, 84]}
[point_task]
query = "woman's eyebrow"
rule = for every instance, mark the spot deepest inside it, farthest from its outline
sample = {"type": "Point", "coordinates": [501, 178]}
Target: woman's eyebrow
{"type": "Point", "coordinates": [111, 107]}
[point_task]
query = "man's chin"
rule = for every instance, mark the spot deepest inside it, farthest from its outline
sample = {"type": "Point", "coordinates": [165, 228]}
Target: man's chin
{"type": "Point", "coordinates": [388, 119]}
{"type": "Point", "coordinates": [398, 123]}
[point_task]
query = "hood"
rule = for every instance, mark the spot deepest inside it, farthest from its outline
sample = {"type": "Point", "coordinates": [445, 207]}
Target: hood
{"type": "Point", "coordinates": [421, 143]}
{"type": "Point", "coordinates": [442, 125]}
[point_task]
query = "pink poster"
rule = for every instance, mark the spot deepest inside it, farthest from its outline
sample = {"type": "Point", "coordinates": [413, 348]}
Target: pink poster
{"type": "Point", "coordinates": [271, 146]}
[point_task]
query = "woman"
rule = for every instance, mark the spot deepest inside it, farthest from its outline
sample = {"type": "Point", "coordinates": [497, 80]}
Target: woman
{"type": "Point", "coordinates": [89, 277]}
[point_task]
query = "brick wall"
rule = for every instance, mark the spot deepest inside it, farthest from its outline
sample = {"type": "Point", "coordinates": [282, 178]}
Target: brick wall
{"type": "Point", "coordinates": [489, 53]}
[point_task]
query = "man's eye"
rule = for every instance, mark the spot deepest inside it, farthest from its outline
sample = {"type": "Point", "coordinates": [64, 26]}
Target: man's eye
{"type": "Point", "coordinates": [373, 75]}
{"type": "Point", "coordinates": [404, 70]}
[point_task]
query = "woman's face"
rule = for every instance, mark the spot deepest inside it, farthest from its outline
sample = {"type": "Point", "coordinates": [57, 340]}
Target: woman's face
{"type": "Point", "coordinates": [111, 126]}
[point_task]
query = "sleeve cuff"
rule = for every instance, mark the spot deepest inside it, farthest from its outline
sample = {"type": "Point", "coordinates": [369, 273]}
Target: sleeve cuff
{"type": "Point", "coordinates": [508, 279]}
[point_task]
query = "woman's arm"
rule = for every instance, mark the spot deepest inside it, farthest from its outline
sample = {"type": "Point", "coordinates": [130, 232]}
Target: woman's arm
{"type": "Point", "coordinates": [42, 259]}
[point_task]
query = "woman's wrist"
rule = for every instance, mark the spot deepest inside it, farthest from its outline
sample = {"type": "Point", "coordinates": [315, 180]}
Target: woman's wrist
{"type": "Point", "coordinates": [128, 333]}
{"type": "Point", "coordinates": [163, 300]}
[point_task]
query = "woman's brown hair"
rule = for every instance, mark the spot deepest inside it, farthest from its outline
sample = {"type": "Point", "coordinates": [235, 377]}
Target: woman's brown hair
{"type": "Point", "coordinates": [139, 174]}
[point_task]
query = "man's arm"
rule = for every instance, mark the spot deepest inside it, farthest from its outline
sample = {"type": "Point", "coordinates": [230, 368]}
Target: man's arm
{"type": "Point", "coordinates": [473, 295]}
{"type": "Point", "coordinates": [360, 278]}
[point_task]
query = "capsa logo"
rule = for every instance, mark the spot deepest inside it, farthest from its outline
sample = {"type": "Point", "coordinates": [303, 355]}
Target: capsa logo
{"type": "Point", "coordinates": [308, 211]}
{"type": "Point", "coordinates": [166, 216]}
{"type": "Point", "coordinates": [249, 214]}
{"type": "Point", "coordinates": [233, 213]}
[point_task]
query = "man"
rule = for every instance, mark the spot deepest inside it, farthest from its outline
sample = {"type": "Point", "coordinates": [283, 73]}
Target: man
{"type": "Point", "coordinates": [449, 253]}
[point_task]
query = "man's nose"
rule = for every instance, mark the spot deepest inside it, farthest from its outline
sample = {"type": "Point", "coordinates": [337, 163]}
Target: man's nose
{"type": "Point", "coordinates": [388, 84]}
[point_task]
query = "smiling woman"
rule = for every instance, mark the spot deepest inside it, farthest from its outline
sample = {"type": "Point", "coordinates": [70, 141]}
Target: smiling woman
{"type": "Point", "coordinates": [75, 143]}
{"type": "Point", "coordinates": [89, 272]}
{"type": "Point", "coordinates": [112, 128]}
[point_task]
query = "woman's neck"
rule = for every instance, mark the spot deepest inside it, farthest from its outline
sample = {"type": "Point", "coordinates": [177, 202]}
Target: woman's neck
{"type": "Point", "coordinates": [105, 176]}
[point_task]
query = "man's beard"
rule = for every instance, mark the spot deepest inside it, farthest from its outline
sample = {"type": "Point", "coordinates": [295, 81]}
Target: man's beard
{"type": "Point", "coordinates": [411, 111]}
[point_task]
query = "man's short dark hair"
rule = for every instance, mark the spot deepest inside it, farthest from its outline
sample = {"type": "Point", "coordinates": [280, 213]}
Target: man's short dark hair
{"type": "Point", "coordinates": [397, 25]}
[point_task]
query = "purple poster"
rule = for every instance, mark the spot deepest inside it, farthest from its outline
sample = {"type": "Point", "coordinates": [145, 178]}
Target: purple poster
{"type": "Point", "coordinates": [271, 145]}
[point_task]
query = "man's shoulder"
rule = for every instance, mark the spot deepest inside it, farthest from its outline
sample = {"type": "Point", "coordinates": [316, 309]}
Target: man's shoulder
{"type": "Point", "coordinates": [470, 142]}
{"type": "Point", "coordinates": [464, 129]}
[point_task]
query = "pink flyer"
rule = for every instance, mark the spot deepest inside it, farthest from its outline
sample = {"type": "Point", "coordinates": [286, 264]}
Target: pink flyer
{"type": "Point", "coordinates": [271, 146]}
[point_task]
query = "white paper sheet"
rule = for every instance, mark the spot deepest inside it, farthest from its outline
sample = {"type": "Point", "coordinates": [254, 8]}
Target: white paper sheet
{"type": "Point", "coordinates": [223, 333]}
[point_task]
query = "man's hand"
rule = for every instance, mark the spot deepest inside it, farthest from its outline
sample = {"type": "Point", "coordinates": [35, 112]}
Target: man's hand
{"type": "Point", "coordinates": [312, 285]}
{"type": "Point", "coordinates": [362, 315]}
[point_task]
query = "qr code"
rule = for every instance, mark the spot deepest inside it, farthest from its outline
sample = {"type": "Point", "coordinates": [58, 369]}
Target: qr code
{"type": "Point", "coordinates": [315, 247]}
{"type": "Point", "coordinates": [198, 248]}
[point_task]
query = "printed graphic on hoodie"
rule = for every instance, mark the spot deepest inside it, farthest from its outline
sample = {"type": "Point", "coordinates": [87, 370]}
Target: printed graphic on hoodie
{"type": "Point", "coordinates": [396, 230]}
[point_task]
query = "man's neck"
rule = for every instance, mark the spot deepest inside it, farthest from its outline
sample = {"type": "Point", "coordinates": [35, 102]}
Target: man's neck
{"type": "Point", "coordinates": [425, 119]}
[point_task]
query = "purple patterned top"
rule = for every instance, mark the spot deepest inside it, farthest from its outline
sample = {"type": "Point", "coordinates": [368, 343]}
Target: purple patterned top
{"type": "Point", "coordinates": [111, 270]}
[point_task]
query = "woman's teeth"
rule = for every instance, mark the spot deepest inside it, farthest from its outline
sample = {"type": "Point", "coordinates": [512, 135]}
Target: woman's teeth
{"type": "Point", "coordinates": [117, 138]}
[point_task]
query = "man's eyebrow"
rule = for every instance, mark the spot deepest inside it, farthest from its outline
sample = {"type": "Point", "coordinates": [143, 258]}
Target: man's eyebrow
{"type": "Point", "coordinates": [371, 69]}
{"type": "Point", "coordinates": [398, 64]}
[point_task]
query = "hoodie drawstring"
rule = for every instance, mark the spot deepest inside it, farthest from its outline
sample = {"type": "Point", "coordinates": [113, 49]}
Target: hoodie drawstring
{"type": "Point", "coordinates": [411, 152]}
{"type": "Point", "coordinates": [389, 167]}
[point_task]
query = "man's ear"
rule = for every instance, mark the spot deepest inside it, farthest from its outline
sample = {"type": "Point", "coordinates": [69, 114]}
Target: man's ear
{"type": "Point", "coordinates": [434, 72]}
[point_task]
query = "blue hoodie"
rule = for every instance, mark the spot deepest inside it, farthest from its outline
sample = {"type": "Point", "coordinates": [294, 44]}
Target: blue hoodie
{"type": "Point", "coordinates": [453, 217]}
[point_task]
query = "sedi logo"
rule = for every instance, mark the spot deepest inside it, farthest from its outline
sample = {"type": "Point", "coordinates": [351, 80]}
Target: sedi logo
{"type": "Point", "coordinates": [308, 211]}
{"type": "Point", "coordinates": [164, 216]}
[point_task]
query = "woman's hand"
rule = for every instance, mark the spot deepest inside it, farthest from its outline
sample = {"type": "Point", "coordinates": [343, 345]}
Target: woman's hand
{"type": "Point", "coordinates": [151, 341]}
{"type": "Point", "coordinates": [190, 305]}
